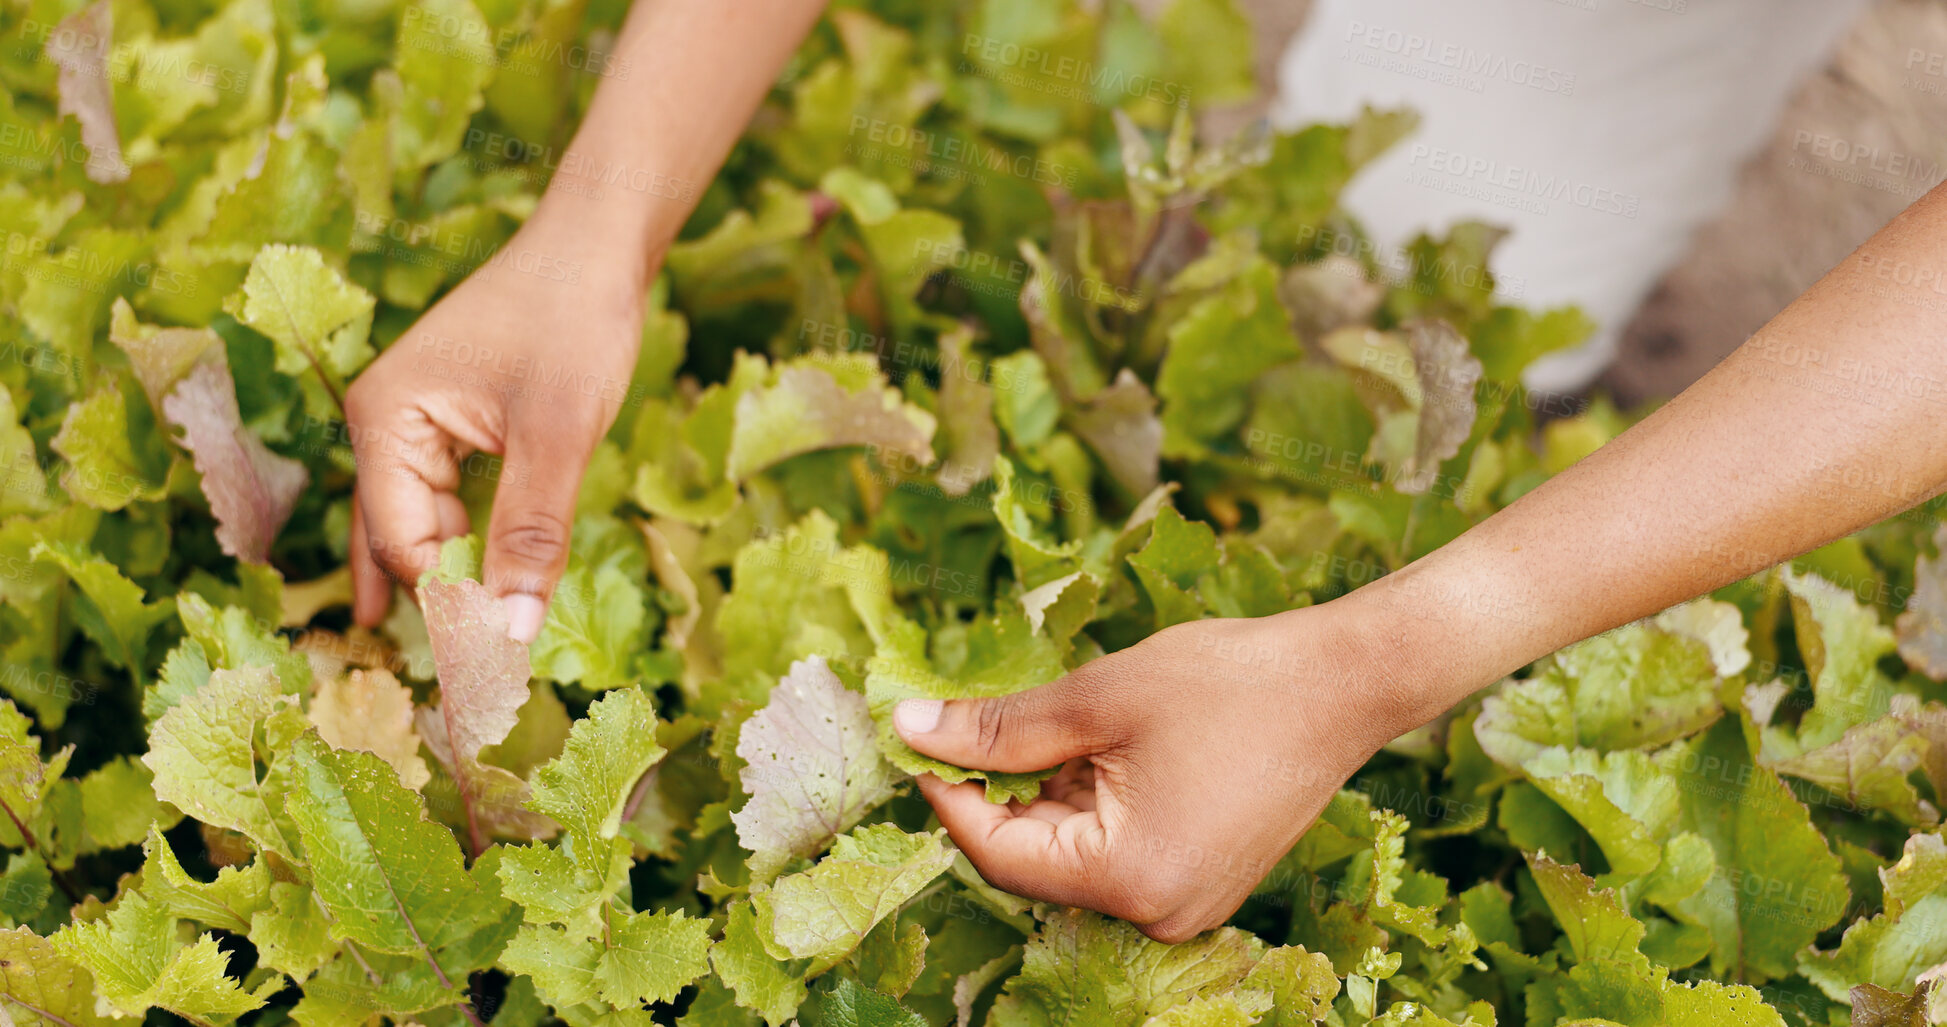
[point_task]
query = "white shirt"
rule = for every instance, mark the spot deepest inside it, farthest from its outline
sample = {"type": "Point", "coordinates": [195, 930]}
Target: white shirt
{"type": "Point", "coordinates": [1602, 132]}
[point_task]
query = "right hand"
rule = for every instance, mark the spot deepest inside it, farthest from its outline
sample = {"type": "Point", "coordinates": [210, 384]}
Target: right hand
{"type": "Point", "coordinates": [1192, 761]}
{"type": "Point", "coordinates": [529, 359]}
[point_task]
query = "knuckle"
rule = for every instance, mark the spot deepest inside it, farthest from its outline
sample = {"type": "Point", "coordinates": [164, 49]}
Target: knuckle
{"type": "Point", "coordinates": [386, 556]}
{"type": "Point", "coordinates": [991, 721]}
{"type": "Point", "coordinates": [1137, 904]}
{"type": "Point", "coordinates": [397, 560]}
{"type": "Point", "coordinates": [572, 430]}
{"type": "Point", "coordinates": [1092, 710]}
{"type": "Point", "coordinates": [1171, 933]}
{"type": "Point", "coordinates": [536, 537]}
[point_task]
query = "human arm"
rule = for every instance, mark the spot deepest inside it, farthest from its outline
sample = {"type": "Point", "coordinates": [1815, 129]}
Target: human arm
{"type": "Point", "coordinates": [531, 356]}
{"type": "Point", "coordinates": [1207, 758]}
{"type": "Point", "coordinates": [1831, 418]}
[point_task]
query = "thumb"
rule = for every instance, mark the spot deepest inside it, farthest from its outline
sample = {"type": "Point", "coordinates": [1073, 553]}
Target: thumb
{"type": "Point", "coordinates": [533, 514]}
{"type": "Point", "coordinates": [1027, 731]}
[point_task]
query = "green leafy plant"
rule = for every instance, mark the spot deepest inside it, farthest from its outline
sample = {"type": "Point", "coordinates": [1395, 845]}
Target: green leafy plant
{"type": "Point", "coordinates": [1007, 369]}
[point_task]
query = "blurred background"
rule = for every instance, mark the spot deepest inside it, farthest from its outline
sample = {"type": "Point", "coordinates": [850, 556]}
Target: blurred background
{"type": "Point", "coordinates": [1883, 86]}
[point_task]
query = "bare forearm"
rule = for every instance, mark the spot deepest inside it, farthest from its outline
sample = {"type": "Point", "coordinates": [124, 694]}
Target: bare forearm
{"type": "Point", "coordinates": [654, 138]}
{"type": "Point", "coordinates": [1832, 417]}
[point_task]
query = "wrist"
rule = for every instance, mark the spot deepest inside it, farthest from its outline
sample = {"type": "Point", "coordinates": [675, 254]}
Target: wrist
{"type": "Point", "coordinates": [1426, 637]}
{"type": "Point", "coordinates": [1334, 667]}
{"type": "Point", "coordinates": [606, 264]}
{"type": "Point", "coordinates": [620, 195]}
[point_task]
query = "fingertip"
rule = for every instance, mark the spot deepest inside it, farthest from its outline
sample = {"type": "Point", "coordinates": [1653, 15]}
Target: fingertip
{"type": "Point", "coordinates": [371, 589]}
{"type": "Point", "coordinates": [1019, 733]}
{"type": "Point", "coordinates": [370, 605]}
{"type": "Point", "coordinates": [371, 595]}
{"type": "Point", "coordinates": [525, 615]}
{"type": "Point", "coordinates": [453, 519]}
{"type": "Point", "coordinates": [914, 717]}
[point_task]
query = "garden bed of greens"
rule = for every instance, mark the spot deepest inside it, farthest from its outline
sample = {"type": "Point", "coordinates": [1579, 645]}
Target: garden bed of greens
{"type": "Point", "coordinates": [1079, 375]}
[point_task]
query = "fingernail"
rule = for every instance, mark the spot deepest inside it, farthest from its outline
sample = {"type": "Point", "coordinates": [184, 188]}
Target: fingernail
{"type": "Point", "coordinates": [524, 616]}
{"type": "Point", "coordinates": [916, 716]}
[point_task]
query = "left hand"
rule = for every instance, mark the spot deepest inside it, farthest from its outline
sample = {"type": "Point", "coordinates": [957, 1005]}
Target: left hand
{"type": "Point", "coordinates": [1191, 763]}
{"type": "Point", "coordinates": [529, 358]}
